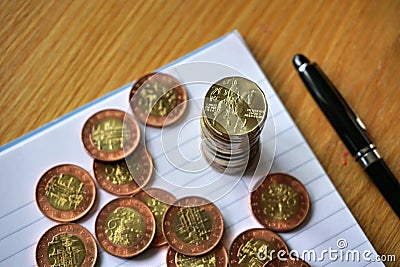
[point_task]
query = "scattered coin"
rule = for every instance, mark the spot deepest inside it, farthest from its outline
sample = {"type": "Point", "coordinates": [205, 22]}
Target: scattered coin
{"type": "Point", "coordinates": [287, 263]}
{"type": "Point", "coordinates": [125, 227]}
{"type": "Point", "coordinates": [110, 135]}
{"type": "Point", "coordinates": [65, 193]}
{"type": "Point", "coordinates": [158, 99]}
{"type": "Point", "coordinates": [280, 203]}
{"type": "Point", "coordinates": [66, 245]}
{"type": "Point", "coordinates": [215, 258]}
{"type": "Point", "coordinates": [255, 247]}
{"type": "Point", "coordinates": [233, 116]}
{"type": "Point", "coordinates": [158, 201]}
{"type": "Point", "coordinates": [193, 226]}
{"type": "Point", "coordinates": [126, 176]}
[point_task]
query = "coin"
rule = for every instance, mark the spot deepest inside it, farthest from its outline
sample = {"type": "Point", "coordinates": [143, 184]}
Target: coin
{"type": "Point", "coordinates": [66, 245]}
{"type": "Point", "coordinates": [65, 193]}
{"type": "Point", "coordinates": [287, 262]}
{"type": "Point", "coordinates": [125, 227]}
{"type": "Point", "coordinates": [110, 134]}
{"type": "Point", "coordinates": [280, 203]}
{"type": "Point", "coordinates": [235, 106]}
{"type": "Point", "coordinates": [255, 247]}
{"type": "Point", "coordinates": [158, 99]}
{"type": "Point", "coordinates": [193, 226]}
{"type": "Point", "coordinates": [158, 201]}
{"type": "Point", "coordinates": [126, 176]}
{"type": "Point", "coordinates": [215, 258]}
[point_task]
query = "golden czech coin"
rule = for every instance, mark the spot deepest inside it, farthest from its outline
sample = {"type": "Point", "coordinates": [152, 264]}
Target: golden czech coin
{"type": "Point", "coordinates": [126, 176]}
{"type": "Point", "coordinates": [215, 258]}
{"type": "Point", "coordinates": [256, 247]}
{"type": "Point", "coordinates": [193, 226]}
{"type": "Point", "coordinates": [125, 227]}
{"type": "Point", "coordinates": [158, 201]}
{"type": "Point", "coordinates": [158, 99]}
{"type": "Point", "coordinates": [280, 203]}
{"type": "Point", "coordinates": [65, 193]}
{"type": "Point", "coordinates": [66, 245]}
{"type": "Point", "coordinates": [110, 135]}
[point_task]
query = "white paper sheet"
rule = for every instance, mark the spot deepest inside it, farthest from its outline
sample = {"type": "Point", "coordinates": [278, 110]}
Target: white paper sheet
{"type": "Point", "coordinates": [24, 160]}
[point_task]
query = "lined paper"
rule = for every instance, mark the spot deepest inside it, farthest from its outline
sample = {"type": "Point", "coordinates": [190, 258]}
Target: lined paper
{"type": "Point", "coordinates": [180, 169]}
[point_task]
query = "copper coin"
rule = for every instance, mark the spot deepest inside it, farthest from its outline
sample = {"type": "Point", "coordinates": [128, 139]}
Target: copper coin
{"type": "Point", "coordinates": [110, 135]}
{"type": "Point", "coordinates": [125, 176]}
{"type": "Point", "coordinates": [158, 99]}
{"type": "Point", "coordinates": [65, 193]}
{"type": "Point", "coordinates": [256, 247]}
{"type": "Point", "coordinates": [158, 201]}
{"type": "Point", "coordinates": [280, 203]}
{"type": "Point", "coordinates": [215, 258]}
{"type": "Point", "coordinates": [125, 227]}
{"type": "Point", "coordinates": [287, 262]}
{"type": "Point", "coordinates": [66, 245]}
{"type": "Point", "coordinates": [193, 226]}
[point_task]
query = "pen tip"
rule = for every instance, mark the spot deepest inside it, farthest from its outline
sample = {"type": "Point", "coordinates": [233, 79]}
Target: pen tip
{"type": "Point", "coordinates": [299, 60]}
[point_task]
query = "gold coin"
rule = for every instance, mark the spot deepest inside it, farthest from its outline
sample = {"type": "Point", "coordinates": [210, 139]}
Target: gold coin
{"type": "Point", "coordinates": [235, 106]}
{"type": "Point", "coordinates": [65, 193]}
{"type": "Point", "coordinates": [66, 245]}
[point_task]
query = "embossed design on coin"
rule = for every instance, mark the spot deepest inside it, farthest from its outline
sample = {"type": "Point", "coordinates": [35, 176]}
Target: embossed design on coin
{"type": "Point", "coordinates": [193, 226]}
{"type": "Point", "coordinates": [125, 227]}
{"type": "Point", "coordinates": [287, 263]}
{"type": "Point", "coordinates": [158, 99]}
{"type": "Point", "coordinates": [109, 135]}
{"type": "Point", "coordinates": [126, 176]}
{"type": "Point", "coordinates": [158, 201]}
{"type": "Point", "coordinates": [255, 247]}
{"type": "Point", "coordinates": [280, 203]}
{"type": "Point", "coordinates": [66, 245]}
{"type": "Point", "coordinates": [215, 258]}
{"type": "Point", "coordinates": [235, 106]}
{"type": "Point", "coordinates": [65, 193]}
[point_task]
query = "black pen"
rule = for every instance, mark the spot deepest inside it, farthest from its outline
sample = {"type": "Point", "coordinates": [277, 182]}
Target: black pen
{"type": "Point", "coordinates": [350, 129]}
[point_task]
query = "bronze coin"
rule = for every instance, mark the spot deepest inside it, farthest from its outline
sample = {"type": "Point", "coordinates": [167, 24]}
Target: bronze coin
{"type": "Point", "coordinates": [280, 203]}
{"type": "Point", "coordinates": [158, 99]}
{"type": "Point", "coordinates": [66, 245]}
{"type": "Point", "coordinates": [287, 262]}
{"type": "Point", "coordinates": [193, 226]}
{"type": "Point", "coordinates": [110, 135]}
{"type": "Point", "coordinates": [126, 176]}
{"type": "Point", "coordinates": [125, 227]}
{"type": "Point", "coordinates": [215, 258]}
{"type": "Point", "coordinates": [256, 247]}
{"type": "Point", "coordinates": [65, 193]}
{"type": "Point", "coordinates": [158, 201]}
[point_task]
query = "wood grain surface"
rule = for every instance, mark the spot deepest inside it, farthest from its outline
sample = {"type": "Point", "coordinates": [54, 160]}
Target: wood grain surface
{"type": "Point", "coordinates": [56, 56]}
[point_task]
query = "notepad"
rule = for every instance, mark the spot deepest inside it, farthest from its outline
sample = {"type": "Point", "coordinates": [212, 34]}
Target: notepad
{"type": "Point", "coordinates": [180, 168]}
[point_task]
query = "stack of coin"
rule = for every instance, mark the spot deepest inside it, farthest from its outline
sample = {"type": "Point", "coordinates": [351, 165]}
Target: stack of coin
{"type": "Point", "coordinates": [233, 117]}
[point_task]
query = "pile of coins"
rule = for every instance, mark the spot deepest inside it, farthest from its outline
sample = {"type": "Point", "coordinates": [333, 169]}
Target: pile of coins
{"type": "Point", "coordinates": [138, 219]}
{"type": "Point", "coordinates": [233, 117]}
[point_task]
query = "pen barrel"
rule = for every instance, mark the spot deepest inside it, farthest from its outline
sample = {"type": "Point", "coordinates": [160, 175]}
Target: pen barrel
{"type": "Point", "coordinates": [334, 107]}
{"type": "Point", "coordinates": [386, 183]}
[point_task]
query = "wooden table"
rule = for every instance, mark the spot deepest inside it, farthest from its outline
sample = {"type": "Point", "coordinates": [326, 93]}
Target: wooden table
{"type": "Point", "coordinates": [58, 55]}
